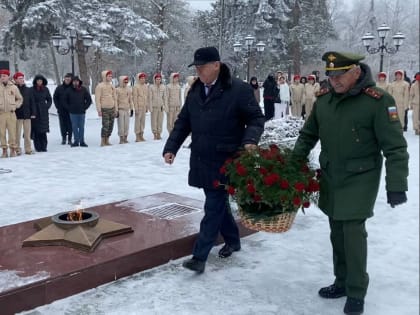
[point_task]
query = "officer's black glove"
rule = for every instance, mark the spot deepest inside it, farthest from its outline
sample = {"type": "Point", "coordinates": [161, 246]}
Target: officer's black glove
{"type": "Point", "coordinates": [131, 113]}
{"type": "Point", "coordinates": [396, 198]}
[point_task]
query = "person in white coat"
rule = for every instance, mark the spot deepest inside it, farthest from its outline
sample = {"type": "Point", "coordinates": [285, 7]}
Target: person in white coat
{"type": "Point", "coordinates": [281, 109]}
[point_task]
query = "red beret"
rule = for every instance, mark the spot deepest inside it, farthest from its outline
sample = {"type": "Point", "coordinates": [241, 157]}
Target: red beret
{"type": "Point", "coordinates": [108, 73]}
{"type": "Point", "coordinates": [125, 79]}
{"type": "Point", "coordinates": [4, 71]}
{"type": "Point", "coordinates": [176, 75]}
{"type": "Point", "coordinates": [296, 77]}
{"type": "Point", "coordinates": [417, 77]}
{"type": "Point", "coordinates": [157, 75]}
{"type": "Point", "coordinates": [382, 74]}
{"type": "Point", "coordinates": [311, 77]}
{"type": "Point", "coordinates": [142, 75]}
{"type": "Point", "coordinates": [18, 75]}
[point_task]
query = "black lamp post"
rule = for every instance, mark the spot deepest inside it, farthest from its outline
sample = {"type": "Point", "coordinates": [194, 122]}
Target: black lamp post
{"type": "Point", "coordinates": [63, 45]}
{"type": "Point", "coordinates": [383, 30]}
{"type": "Point", "coordinates": [249, 40]}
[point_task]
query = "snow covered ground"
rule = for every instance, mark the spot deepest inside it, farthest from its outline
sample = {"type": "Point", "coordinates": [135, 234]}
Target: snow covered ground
{"type": "Point", "coordinates": [272, 274]}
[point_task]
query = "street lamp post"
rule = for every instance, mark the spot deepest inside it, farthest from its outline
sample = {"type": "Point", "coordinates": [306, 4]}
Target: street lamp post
{"type": "Point", "coordinates": [59, 42]}
{"type": "Point", "coordinates": [249, 40]}
{"type": "Point", "coordinates": [383, 30]}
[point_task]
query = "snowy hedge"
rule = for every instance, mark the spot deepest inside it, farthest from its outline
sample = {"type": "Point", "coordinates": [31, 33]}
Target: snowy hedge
{"type": "Point", "coordinates": [281, 131]}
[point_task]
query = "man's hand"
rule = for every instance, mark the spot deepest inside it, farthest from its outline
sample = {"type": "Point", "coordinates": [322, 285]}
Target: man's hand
{"type": "Point", "coordinates": [250, 147]}
{"type": "Point", "coordinates": [396, 198]}
{"type": "Point", "coordinates": [169, 157]}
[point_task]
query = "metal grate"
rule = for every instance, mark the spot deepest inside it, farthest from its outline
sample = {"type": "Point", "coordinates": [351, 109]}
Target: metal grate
{"type": "Point", "coordinates": [170, 211]}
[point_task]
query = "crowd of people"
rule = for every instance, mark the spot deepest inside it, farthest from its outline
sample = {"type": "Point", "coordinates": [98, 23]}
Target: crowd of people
{"type": "Point", "coordinates": [296, 97]}
{"type": "Point", "coordinates": [25, 109]}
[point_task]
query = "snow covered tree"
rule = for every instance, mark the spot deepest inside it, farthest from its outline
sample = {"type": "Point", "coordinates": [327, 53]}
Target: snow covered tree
{"type": "Point", "coordinates": [117, 30]}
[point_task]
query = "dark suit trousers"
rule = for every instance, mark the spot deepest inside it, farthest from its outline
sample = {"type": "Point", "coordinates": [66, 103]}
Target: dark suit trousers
{"type": "Point", "coordinates": [217, 218]}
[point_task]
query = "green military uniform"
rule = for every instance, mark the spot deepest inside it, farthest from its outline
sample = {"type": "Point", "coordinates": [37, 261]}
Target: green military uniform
{"type": "Point", "coordinates": [355, 129]}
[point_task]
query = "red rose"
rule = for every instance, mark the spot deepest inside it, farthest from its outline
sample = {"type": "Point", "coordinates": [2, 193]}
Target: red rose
{"type": "Point", "coordinates": [284, 184]}
{"type": "Point", "coordinates": [222, 170]}
{"type": "Point", "coordinates": [299, 186]}
{"type": "Point", "coordinates": [305, 168]}
{"type": "Point", "coordinates": [216, 183]}
{"type": "Point", "coordinates": [231, 190]}
{"type": "Point", "coordinates": [313, 186]}
{"type": "Point", "coordinates": [257, 198]}
{"type": "Point", "coordinates": [241, 170]}
{"type": "Point", "coordinates": [271, 179]}
{"type": "Point", "coordinates": [250, 188]}
{"type": "Point", "coordinates": [296, 201]}
{"type": "Point", "coordinates": [306, 204]}
{"type": "Point", "coordinates": [263, 171]}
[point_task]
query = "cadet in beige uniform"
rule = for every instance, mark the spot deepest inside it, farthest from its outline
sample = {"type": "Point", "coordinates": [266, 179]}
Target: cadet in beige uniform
{"type": "Point", "coordinates": [400, 89]}
{"type": "Point", "coordinates": [125, 108]}
{"type": "Point", "coordinates": [311, 88]}
{"type": "Point", "coordinates": [158, 103]}
{"type": "Point", "coordinates": [297, 89]}
{"type": "Point", "coordinates": [381, 82]}
{"type": "Point", "coordinates": [174, 102]}
{"type": "Point", "coordinates": [141, 105]}
{"type": "Point", "coordinates": [10, 99]}
{"type": "Point", "coordinates": [106, 105]}
{"type": "Point", "coordinates": [415, 102]}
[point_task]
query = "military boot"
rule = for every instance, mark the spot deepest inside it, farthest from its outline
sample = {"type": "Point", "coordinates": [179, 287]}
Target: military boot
{"type": "Point", "coordinates": [354, 306]}
{"type": "Point", "coordinates": [158, 137]}
{"type": "Point", "coordinates": [155, 136]}
{"type": "Point", "coordinates": [103, 142]}
{"type": "Point", "coordinates": [332, 292]}
{"type": "Point", "coordinates": [122, 139]}
{"type": "Point", "coordinates": [125, 139]}
{"type": "Point", "coordinates": [107, 141]}
{"type": "Point", "coordinates": [138, 137]}
{"type": "Point", "coordinates": [195, 265]}
{"type": "Point", "coordinates": [141, 136]}
{"type": "Point", "coordinates": [12, 152]}
{"type": "Point", "coordinates": [63, 141]}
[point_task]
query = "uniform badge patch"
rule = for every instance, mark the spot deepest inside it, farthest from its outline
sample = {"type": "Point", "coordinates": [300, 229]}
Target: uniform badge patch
{"type": "Point", "coordinates": [392, 113]}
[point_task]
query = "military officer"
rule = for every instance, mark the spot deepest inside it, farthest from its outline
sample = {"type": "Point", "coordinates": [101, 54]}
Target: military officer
{"type": "Point", "coordinates": [356, 124]}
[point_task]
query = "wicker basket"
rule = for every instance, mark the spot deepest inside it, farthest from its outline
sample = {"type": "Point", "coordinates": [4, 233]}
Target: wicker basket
{"type": "Point", "coordinates": [276, 224]}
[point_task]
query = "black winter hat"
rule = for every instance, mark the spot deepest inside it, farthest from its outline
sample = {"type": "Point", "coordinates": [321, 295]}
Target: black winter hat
{"type": "Point", "coordinates": [205, 55]}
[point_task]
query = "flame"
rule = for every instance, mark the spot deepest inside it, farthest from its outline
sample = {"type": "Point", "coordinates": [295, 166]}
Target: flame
{"type": "Point", "coordinates": [76, 215]}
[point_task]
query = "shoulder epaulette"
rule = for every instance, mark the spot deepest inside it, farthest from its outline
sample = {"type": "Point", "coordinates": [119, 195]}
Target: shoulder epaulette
{"type": "Point", "coordinates": [372, 92]}
{"type": "Point", "coordinates": [322, 91]}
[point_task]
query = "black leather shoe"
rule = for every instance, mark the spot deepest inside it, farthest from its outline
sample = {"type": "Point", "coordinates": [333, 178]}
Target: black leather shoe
{"type": "Point", "coordinates": [194, 265]}
{"type": "Point", "coordinates": [82, 144]}
{"type": "Point", "coordinates": [354, 306]}
{"type": "Point", "coordinates": [227, 250]}
{"type": "Point", "coordinates": [74, 144]}
{"type": "Point", "coordinates": [332, 292]}
{"type": "Point", "coordinates": [63, 141]}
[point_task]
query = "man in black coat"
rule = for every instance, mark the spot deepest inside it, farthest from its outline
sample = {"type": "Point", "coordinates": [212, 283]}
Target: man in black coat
{"type": "Point", "coordinates": [41, 123]}
{"type": "Point", "coordinates": [63, 114]}
{"type": "Point", "coordinates": [222, 115]}
{"type": "Point", "coordinates": [76, 101]}
{"type": "Point", "coordinates": [24, 114]}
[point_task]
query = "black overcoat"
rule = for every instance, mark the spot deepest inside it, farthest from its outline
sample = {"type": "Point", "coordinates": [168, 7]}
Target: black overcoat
{"type": "Point", "coordinates": [43, 101]}
{"type": "Point", "coordinates": [28, 106]}
{"type": "Point", "coordinates": [219, 125]}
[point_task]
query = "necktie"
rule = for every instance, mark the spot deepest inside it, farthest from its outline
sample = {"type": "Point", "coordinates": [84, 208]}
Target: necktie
{"type": "Point", "coordinates": [207, 89]}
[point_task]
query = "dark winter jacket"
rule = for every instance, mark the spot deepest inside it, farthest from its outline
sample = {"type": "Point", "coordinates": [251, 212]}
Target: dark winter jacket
{"type": "Point", "coordinates": [219, 125]}
{"type": "Point", "coordinates": [59, 96]}
{"type": "Point", "coordinates": [355, 130]}
{"type": "Point", "coordinates": [271, 91]}
{"type": "Point", "coordinates": [28, 106]}
{"type": "Point", "coordinates": [43, 101]}
{"type": "Point", "coordinates": [77, 100]}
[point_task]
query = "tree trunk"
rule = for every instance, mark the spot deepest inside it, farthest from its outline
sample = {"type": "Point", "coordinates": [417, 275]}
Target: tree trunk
{"type": "Point", "coordinates": [81, 60]}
